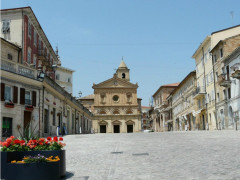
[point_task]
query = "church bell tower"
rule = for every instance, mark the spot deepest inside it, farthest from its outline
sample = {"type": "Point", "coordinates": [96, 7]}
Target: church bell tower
{"type": "Point", "coordinates": [123, 71]}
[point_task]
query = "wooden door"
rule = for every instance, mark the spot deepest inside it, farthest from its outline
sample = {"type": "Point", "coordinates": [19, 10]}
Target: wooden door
{"type": "Point", "coordinates": [27, 119]}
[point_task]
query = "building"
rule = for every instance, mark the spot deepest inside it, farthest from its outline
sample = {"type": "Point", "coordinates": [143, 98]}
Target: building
{"type": "Point", "coordinates": [222, 80]}
{"type": "Point", "coordinates": [183, 105]}
{"type": "Point", "coordinates": [232, 61]}
{"type": "Point", "coordinates": [30, 97]}
{"type": "Point", "coordinates": [160, 103]}
{"type": "Point", "coordinates": [21, 27]}
{"type": "Point", "coordinates": [64, 77]}
{"type": "Point", "coordinates": [115, 104]}
{"type": "Point", "coordinates": [205, 78]}
{"type": "Point", "coordinates": [146, 124]}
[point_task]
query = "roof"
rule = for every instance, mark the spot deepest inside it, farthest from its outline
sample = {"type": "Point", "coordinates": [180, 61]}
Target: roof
{"type": "Point", "coordinates": [236, 51]}
{"type": "Point", "coordinates": [183, 81]}
{"type": "Point", "coordinates": [10, 43]}
{"type": "Point", "coordinates": [225, 29]}
{"type": "Point", "coordinates": [91, 96]}
{"type": "Point", "coordinates": [122, 65]}
{"type": "Point", "coordinates": [201, 45]}
{"type": "Point", "coordinates": [223, 41]}
{"type": "Point", "coordinates": [64, 68]}
{"type": "Point", "coordinates": [166, 86]}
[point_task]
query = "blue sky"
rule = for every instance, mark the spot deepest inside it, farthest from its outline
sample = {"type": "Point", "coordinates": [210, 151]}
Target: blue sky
{"type": "Point", "coordinates": [156, 38]}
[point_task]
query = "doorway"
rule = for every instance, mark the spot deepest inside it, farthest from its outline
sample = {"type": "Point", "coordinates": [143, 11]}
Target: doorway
{"type": "Point", "coordinates": [203, 120]}
{"type": "Point", "coordinates": [129, 128]}
{"type": "Point", "coordinates": [46, 115]}
{"type": "Point", "coordinates": [27, 119]}
{"type": "Point", "coordinates": [116, 128]}
{"type": "Point", "coordinates": [103, 129]}
{"type": "Point", "coordinates": [7, 127]}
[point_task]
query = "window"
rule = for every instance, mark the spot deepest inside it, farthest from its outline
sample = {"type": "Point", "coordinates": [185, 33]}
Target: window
{"type": "Point", "coordinates": [229, 93]}
{"type": "Point", "coordinates": [5, 26]}
{"type": "Point", "coordinates": [116, 111]}
{"type": "Point", "coordinates": [8, 93]}
{"type": "Point", "coordinates": [224, 94]}
{"type": "Point", "coordinates": [211, 77]}
{"type": "Point", "coordinates": [39, 44]}
{"type": "Point", "coordinates": [69, 80]}
{"type": "Point", "coordinates": [221, 52]}
{"type": "Point", "coordinates": [35, 38]}
{"type": "Point", "coordinates": [72, 121]}
{"type": "Point", "coordinates": [123, 75]}
{"type": "Point", "coordinates": [28, 97]}
{"type": "Point", "coordinates": [115, 98]}
{"type": "Point", "coordinates": [214, 58]}
{"type": "Point", "coordinates": [218, 97]}
{"type": "Point", "coordinates": [216, 75]}
{"type": "Point", "coordinates": [213, 96]}
{"type": "Point", "coordinates": [29, 29]}
{"type": "Point", "coordinates": [10, 56]}
{"type": "Point", "coordinates": [57, 76]}
{"type": "Point", "coordinates": [34, 60]}
{"type": "Point", "coordinates": [199, 104]}
{"type": "Point", "coordinates": [207, 79]}
{"type": "Point", "coordinates": [29, 56]}
{"type": "Point", "coordinates": [54, 117]}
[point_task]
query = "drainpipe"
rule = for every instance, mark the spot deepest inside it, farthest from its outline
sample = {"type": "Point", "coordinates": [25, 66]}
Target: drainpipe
{"type": "Point", "coordinates": [205, 87]}
{"type": "Point", "coordinates": [22, 38]}
{"type": "Point", "coordinates": [215, 93]}
{"type": "Point", "coordinates": [39, 112]}
{"type": "Point", "coordinates": [42, 103]}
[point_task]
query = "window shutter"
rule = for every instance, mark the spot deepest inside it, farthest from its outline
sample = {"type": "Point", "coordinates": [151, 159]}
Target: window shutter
{"type": "Point", "coordinates": [22, 96]}
{"type": "Point", "coordinates": [2, 91]}
{"type": "Point", "coordinates": [15, 94]}
{"type": "Point", "coordinates": [34, 98]}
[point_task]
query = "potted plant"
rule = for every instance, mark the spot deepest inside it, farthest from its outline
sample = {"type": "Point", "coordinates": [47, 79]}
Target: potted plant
{"type": "Point", "coordinates": [9, 104]}
{"type": "Point", "coordinates": [29, 107]}
{"type": "Point", "coordinates": [34, 167]}
{"type": "Point", "coordinates": [16, 149]}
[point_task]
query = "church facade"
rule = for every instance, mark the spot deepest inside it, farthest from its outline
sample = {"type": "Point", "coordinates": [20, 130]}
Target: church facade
{"type": "Point", "coordinates": [115, 104]}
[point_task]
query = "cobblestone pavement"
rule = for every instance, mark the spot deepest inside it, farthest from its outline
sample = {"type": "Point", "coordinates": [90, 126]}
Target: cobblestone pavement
{"type": "Point", "coordinates": [170, 155]}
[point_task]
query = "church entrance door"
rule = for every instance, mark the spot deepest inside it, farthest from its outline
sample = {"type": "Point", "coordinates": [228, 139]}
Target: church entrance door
{"type": "Point", "coordinates": [116, 128]}
{"type": "Point", "coordinates": [129, 128]}
{"type": "Point", "coordinates": [103, 129]}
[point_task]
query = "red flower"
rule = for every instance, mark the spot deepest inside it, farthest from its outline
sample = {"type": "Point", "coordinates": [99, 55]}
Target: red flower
{"type": "Point", "coordinates": [12, 137]}
{"type": "Point", "coordinates": [5, 144]}
{"type": "Point", "coordinates": [55, 138]}
{"type": "Point", "coordinates": [40, 143]}
{"type": "Point", "coordinates": [41, 139]}
{"type": "Point", "coordinates": [60, 139]}
{"type": "Point", "coordinates": [22, 141]}
{"type": "Point", "coordinates": [17, 141]}
{"type": "Point", "coordinates": [49, 138]}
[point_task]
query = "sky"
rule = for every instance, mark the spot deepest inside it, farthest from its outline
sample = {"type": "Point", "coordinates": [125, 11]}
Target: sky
{"type": "Point", "coordinates": [156, 38]}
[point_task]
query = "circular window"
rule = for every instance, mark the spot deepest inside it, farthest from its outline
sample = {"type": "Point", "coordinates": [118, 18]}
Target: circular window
{"type": "Point", "coordinates": [115, 98]}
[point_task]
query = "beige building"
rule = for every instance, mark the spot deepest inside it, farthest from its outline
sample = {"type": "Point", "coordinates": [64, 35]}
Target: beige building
{"type": "Point", "coordinates": [115, 104]}
{"type": "Point", "coordinates": [183, 105]}
{"type": "Point", "coordinates": [38, 102]}
{"type": "Point", "coordinates": [161, 115]}
{"type": "Point", "coordinates": [206, 113]}
{"type": "Point", "coordinates": [223, 81]}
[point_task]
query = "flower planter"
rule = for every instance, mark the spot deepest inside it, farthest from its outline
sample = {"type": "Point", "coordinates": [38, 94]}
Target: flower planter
{"type": "Point", "coordinates": [9, 105]}
{"type": "Point", "coordinates": [7, 157]}
{"type": "Point", "coordinates": [33, 171]}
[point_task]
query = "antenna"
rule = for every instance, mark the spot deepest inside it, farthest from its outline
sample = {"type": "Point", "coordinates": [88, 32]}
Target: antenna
{"type": "Point", "coordinates": [232, 15]}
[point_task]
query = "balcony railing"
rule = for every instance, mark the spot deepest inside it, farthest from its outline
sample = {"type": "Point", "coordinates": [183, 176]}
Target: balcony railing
{"type": "Point", "coordinates": [224, 80]}
{"type": "Point", "coordinates": [199, 92]}
{"type": "Point", "coordinates": [18, 68]}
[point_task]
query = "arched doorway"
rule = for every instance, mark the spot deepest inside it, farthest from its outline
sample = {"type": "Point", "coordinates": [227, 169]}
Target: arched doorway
{"type": "Point", "coordinates": [130, 126]}
{"type": "Point", "coordinates": [116, 126]}
{"type": "Point", "coordinates": [103, 126]}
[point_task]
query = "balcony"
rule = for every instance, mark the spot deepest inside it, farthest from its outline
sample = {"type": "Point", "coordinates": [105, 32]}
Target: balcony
{"type": "Point", "coordinates": [224, 80]}
{"type": "Point", "coordinates": [43, 57]}
{"type": "Point", "coordinates": [236, 74]}
{"type": "Point", "coordinates": [17, 68]}
{"type": "Point", "coordinates": [199, 92]}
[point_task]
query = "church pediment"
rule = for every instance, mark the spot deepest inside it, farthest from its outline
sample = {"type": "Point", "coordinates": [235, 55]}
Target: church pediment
{"type": "Point", "coordinates": [115, 82]}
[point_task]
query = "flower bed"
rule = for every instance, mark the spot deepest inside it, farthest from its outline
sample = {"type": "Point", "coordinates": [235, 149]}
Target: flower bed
{"type": "Point", "coordinates": [15, 149]}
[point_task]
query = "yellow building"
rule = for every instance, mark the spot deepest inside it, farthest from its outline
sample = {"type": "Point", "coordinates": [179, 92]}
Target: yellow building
{"type": "Point", "coordinates": [205, 93]}
{"type": "Point", "coordinates": [115, 104]}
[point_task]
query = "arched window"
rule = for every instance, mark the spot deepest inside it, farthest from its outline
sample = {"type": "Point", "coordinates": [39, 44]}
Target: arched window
{"type": "Point", "coordinates": [102, 112]}
{"type": "Point", "coordinates": [129, 111]}
{"type": "Point", "coordinates": [123, 75]}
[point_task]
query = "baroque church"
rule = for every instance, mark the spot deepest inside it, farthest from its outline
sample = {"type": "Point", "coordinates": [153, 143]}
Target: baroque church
{"type": "Point", "coordinates": [115, 104]}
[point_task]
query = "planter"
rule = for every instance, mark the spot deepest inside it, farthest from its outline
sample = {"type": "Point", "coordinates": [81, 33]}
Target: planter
{"type": "Point", "coordinates": [33, 171]}
{"type": "Point", "coordinates": [9, 105]}
{"type": "Point", "coordinates": [7, 157]}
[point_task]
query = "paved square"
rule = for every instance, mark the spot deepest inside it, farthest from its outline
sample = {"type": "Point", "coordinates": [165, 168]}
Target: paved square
{"type": "Point", "coordinates": [170, 155]}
